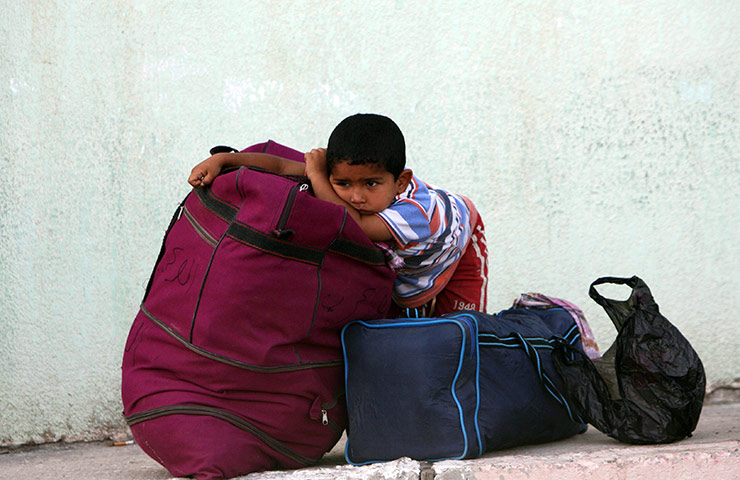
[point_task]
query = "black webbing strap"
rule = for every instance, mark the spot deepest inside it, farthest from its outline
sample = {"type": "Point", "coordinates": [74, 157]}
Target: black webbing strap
{"type": "Point", "coordinates": [268, 243]}
{"type": "Point", "coordinates": [220, 208]}
{"type": "Point", "coordinates": [361, 253]}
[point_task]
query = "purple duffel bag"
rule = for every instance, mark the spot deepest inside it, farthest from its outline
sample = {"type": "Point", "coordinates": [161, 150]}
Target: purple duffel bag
{"type": "Point", "coordinates": [233, 363]}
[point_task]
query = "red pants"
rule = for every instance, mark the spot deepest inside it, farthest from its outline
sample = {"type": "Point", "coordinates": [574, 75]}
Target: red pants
{"type": "Point", "coordinates": [467, 288]}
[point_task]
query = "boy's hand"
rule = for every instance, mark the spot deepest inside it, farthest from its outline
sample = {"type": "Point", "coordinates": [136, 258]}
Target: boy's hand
{"type": "Point", "coordinates": [316, 164]}
{"type": "Point", "coordinates": [204, 173]}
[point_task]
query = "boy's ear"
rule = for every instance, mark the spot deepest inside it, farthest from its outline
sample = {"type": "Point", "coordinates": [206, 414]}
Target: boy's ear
{"type": "Point", "coordinates": [404, 179]}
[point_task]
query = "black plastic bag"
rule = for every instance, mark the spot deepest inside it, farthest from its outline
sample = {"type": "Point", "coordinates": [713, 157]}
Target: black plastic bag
{"type": "Point", "coordinates": [649, 386]}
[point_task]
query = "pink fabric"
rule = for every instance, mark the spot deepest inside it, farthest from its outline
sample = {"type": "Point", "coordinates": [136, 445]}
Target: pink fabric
{"type": "Point", "coordinates": [537, 300]}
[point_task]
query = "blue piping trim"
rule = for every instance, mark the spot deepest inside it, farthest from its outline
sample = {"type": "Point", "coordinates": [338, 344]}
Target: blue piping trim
{"type": "Point", "coordinates": [498, 341]}
{"type": "Point", "coordinates": [423, 322]}
{"type": "Point", "coordinates": [477, 383]}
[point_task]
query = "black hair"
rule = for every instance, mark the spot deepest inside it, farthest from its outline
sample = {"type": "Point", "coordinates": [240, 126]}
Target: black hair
{"type": "Point", "coordinates": [367, 138]}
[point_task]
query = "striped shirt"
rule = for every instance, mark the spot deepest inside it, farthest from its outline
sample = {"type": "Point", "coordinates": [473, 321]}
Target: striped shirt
{"type": "Point", "coordinates": [431, 228]}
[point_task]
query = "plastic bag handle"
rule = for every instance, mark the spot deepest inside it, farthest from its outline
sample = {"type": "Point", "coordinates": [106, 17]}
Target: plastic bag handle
{"type": "Point", "coordinates": [598, 298]}
{"type": "Point", "coordinates": [618, 310]}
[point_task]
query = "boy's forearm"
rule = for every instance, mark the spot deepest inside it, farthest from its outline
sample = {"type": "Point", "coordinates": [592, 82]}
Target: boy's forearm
{"type": "Point", "coordinates": [372, 225]}
{"type": "Point", "coordinates": [323, 190]}
{"type": "Point", "coordinates": [318, 174]}
{"type": "Point", "coordinates": [203, 174]}
{"type": "Point", "coordinates": [268, 162]}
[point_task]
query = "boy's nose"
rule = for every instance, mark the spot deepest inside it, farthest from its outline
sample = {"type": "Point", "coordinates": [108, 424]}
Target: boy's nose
{"type": "Point", "coordinates": [356, 197]}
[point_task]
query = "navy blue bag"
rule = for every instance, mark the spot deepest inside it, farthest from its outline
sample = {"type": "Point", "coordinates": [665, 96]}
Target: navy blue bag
{"type": "Point", "coordinates": [456, 386]}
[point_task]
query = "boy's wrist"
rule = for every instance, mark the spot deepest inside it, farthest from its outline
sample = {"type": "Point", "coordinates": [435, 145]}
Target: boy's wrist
{"type": "Point", "coordinates": [220, 159]}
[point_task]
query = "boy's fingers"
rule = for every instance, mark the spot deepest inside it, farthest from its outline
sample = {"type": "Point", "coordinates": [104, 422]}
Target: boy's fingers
{"type": "Point", "coordinates": [198, 178]}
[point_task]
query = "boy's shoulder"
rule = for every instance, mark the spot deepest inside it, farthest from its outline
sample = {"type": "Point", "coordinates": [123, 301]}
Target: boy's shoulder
{"type": "Point", "coordinates": [421, 198]}
{"type": "Point", "coordinates": [424, 214]}
{"type": "Point", "coordinates": [416, 188]}
{"type": "Point", "coordinates": [416, 202]}
{"type": "Point", "coordinates": [422, 191]}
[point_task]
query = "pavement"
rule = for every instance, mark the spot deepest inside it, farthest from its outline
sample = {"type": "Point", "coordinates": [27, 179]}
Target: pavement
{"type": "Point", "coordinates": [712, 453]}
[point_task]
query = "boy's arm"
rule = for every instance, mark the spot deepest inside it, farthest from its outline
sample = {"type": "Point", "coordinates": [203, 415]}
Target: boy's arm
{"type": "Point", "coordinates": [318, 174]}
{"type": "Point", "coordinates": [204, 173]}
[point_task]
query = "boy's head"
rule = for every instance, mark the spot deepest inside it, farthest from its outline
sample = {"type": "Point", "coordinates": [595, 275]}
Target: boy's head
{"type": "Point", "coordinates": [366, 159]}
{"type": "Point", "coordinates": [367, 138]}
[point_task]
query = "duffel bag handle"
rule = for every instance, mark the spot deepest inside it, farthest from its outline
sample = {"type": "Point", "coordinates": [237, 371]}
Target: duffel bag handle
{"type": "Point", "coordinates": [222, 149]}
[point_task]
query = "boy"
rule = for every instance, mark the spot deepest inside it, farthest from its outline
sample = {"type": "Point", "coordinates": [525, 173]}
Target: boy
{"type": "Point", "coordinates": [435, 237]}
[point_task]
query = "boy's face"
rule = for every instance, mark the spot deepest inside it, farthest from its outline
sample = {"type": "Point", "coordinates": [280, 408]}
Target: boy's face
{"type": "Point", "coordinates": [369, 188]}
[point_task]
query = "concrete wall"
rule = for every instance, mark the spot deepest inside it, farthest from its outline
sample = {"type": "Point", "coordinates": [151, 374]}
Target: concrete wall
{"type": "Point", "coordinates": [597, 138]}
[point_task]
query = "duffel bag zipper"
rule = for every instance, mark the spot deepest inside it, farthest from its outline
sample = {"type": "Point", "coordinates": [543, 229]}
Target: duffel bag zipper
{"type": "Point", "coordinates": [231, 418]}
{"type": "Point", "coordinates": [220, 358]}
{"type": "Point", "coordinates": [202, 232]}
{"type": "Point", "coordinates": [325, 407]}
{"type": "Point", "coordinates": [280, 231]}
{"type": "Point", "coordinates": [328, 422]}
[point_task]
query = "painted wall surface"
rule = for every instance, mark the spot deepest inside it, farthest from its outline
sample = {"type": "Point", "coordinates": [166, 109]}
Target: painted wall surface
{"type": "Point", "coordinates": [597, 138]}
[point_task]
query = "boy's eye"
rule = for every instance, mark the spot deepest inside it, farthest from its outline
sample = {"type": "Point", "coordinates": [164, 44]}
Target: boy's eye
{"type": "Point", "coordinates": [372, 183]}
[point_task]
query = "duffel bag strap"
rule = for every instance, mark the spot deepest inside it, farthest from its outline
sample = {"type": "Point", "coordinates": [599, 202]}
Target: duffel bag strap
{"type": "Point", "coordinates": [534, 356]}
{"type": "Point", "coordinates": [175, 217]}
